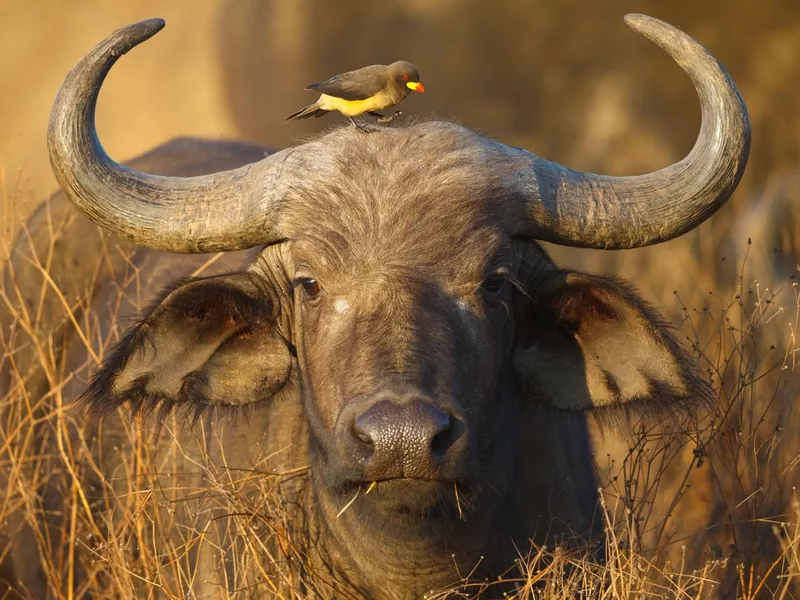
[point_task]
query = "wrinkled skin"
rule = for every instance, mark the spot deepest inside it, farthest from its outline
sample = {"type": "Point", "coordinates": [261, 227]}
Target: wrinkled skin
{"type": "Point", "coordinates": [480, 354]}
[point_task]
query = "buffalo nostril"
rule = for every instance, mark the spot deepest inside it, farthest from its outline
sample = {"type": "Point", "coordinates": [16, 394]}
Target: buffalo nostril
{"type": "Point", "coordinates": [361, 435]}
{"type": "Point", "coordinates": [444, 438]}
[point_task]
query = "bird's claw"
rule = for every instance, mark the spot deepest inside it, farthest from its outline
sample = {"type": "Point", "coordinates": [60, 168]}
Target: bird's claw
{"type": "Point", "coordinates": [360, 127]}
{"type": "Point", "coordinates": [390, 118]}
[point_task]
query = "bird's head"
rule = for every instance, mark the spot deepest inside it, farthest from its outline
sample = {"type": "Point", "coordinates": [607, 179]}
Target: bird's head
{"type": "Point", "coordinates": [406, 74]}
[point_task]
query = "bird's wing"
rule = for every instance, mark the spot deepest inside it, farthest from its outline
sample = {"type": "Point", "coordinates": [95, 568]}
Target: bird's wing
{"type": "Point", "coordinates": [354, 85]}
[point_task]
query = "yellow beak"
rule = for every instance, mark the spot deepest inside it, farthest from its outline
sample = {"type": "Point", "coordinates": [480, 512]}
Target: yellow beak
{"type": "Point", "coordinates": [416, 86]}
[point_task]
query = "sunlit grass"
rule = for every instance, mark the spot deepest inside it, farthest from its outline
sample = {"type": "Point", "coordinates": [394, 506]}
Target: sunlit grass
{"type": "Point", "coordinates": [136, 519]}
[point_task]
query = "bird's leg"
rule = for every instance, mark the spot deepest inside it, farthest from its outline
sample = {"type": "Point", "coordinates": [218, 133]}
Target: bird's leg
{"type": "Point", "coordinates": [382, 119]}
{"type": "Point", "coordinates": [361, 128]}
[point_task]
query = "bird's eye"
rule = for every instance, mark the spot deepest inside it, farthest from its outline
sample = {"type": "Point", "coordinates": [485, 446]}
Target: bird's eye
{"type": "Point", "coordinates": [405, 77]}
{"type": "Point", "coordinates": [494, 286]}
{"type": "Point", "coordinates": [311, 287]}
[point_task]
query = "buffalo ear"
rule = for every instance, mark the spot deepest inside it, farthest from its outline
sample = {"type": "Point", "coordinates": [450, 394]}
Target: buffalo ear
{"type": "Point", "coordinates": [214, 341]}
{"type": "Point", "coordinates": [586, 342]}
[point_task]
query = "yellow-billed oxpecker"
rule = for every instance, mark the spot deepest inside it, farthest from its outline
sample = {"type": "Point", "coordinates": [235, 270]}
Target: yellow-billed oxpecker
{"type": "Point", "coordinates": [366, 90]}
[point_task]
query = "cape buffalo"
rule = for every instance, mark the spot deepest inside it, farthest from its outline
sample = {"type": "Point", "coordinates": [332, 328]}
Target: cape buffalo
{"type": "Point", "coordinates": [383, 340]}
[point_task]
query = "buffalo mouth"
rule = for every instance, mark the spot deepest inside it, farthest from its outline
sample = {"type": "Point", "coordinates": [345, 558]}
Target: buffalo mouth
{"type": "Point", "coordinates": [403, 497]}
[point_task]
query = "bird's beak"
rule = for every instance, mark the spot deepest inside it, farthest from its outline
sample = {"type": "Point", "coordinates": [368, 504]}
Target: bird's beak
{"type": "Point", "coordinates": [416, 86]}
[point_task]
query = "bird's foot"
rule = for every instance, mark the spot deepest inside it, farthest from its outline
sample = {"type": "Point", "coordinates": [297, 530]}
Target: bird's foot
{"type": "Point", "coordinates": [390, 118]}
{"type": "Point", "coordinates": [362, 128]}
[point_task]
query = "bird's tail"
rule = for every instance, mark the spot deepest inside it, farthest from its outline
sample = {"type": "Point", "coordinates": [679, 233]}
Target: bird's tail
{"type": "Point", "coordinates": [312, 110]}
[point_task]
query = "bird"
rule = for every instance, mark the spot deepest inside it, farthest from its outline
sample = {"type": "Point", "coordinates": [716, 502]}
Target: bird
{"type": "Point", "coordinates": [366, 90]}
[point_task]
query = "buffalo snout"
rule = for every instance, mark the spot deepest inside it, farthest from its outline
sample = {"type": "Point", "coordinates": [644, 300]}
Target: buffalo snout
{"type": "Point", "coordinates": [404, 438]}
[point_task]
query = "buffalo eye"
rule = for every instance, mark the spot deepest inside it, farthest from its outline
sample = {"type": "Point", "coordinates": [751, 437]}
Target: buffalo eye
{"type": "Point", "coordinates": [493, 286]}
{"type": "Point", "coordinates": [310, 286]}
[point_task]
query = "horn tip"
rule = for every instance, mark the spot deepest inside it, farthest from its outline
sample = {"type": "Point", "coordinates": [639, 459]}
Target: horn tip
{"type": "Point", "coordinates": [637, 21]}
{"type": "Point", "coordinates": [126, 38]}
{"type": "Point", "coordinates": [655, 30]}
{"type": "Point", "coordinates": [151, 27]}
{"type": "Point", "coordinates": [141, 31]}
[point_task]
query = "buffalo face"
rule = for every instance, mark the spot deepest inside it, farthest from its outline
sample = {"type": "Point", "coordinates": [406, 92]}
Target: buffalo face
{"type": "Point", "coordinates": [403, 338]}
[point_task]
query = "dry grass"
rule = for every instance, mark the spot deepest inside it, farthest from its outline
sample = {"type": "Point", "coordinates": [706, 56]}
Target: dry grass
{"type": "Point", "coordinates": [703, 508]}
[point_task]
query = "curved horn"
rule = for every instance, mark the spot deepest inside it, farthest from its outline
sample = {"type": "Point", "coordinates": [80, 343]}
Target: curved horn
{"type": "Point", "coordinates": [572, 208]}
{"type": "Point", "coordinates": [229, 210]}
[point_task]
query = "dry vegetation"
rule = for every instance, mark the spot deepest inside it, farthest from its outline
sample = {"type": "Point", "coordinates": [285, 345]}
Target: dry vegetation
{"type": "Point", "coordinates": [703, 508]}
{"type": "Point", "coordinates": [697, 509]}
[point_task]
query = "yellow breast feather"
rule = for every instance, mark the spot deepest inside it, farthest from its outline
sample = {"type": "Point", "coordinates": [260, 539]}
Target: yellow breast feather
{"type": "Point", "coordinates": [353, 108]}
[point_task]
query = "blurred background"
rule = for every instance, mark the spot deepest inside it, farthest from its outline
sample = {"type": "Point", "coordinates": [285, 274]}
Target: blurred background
{"type": "Point", "coordinates": [567, 80]}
